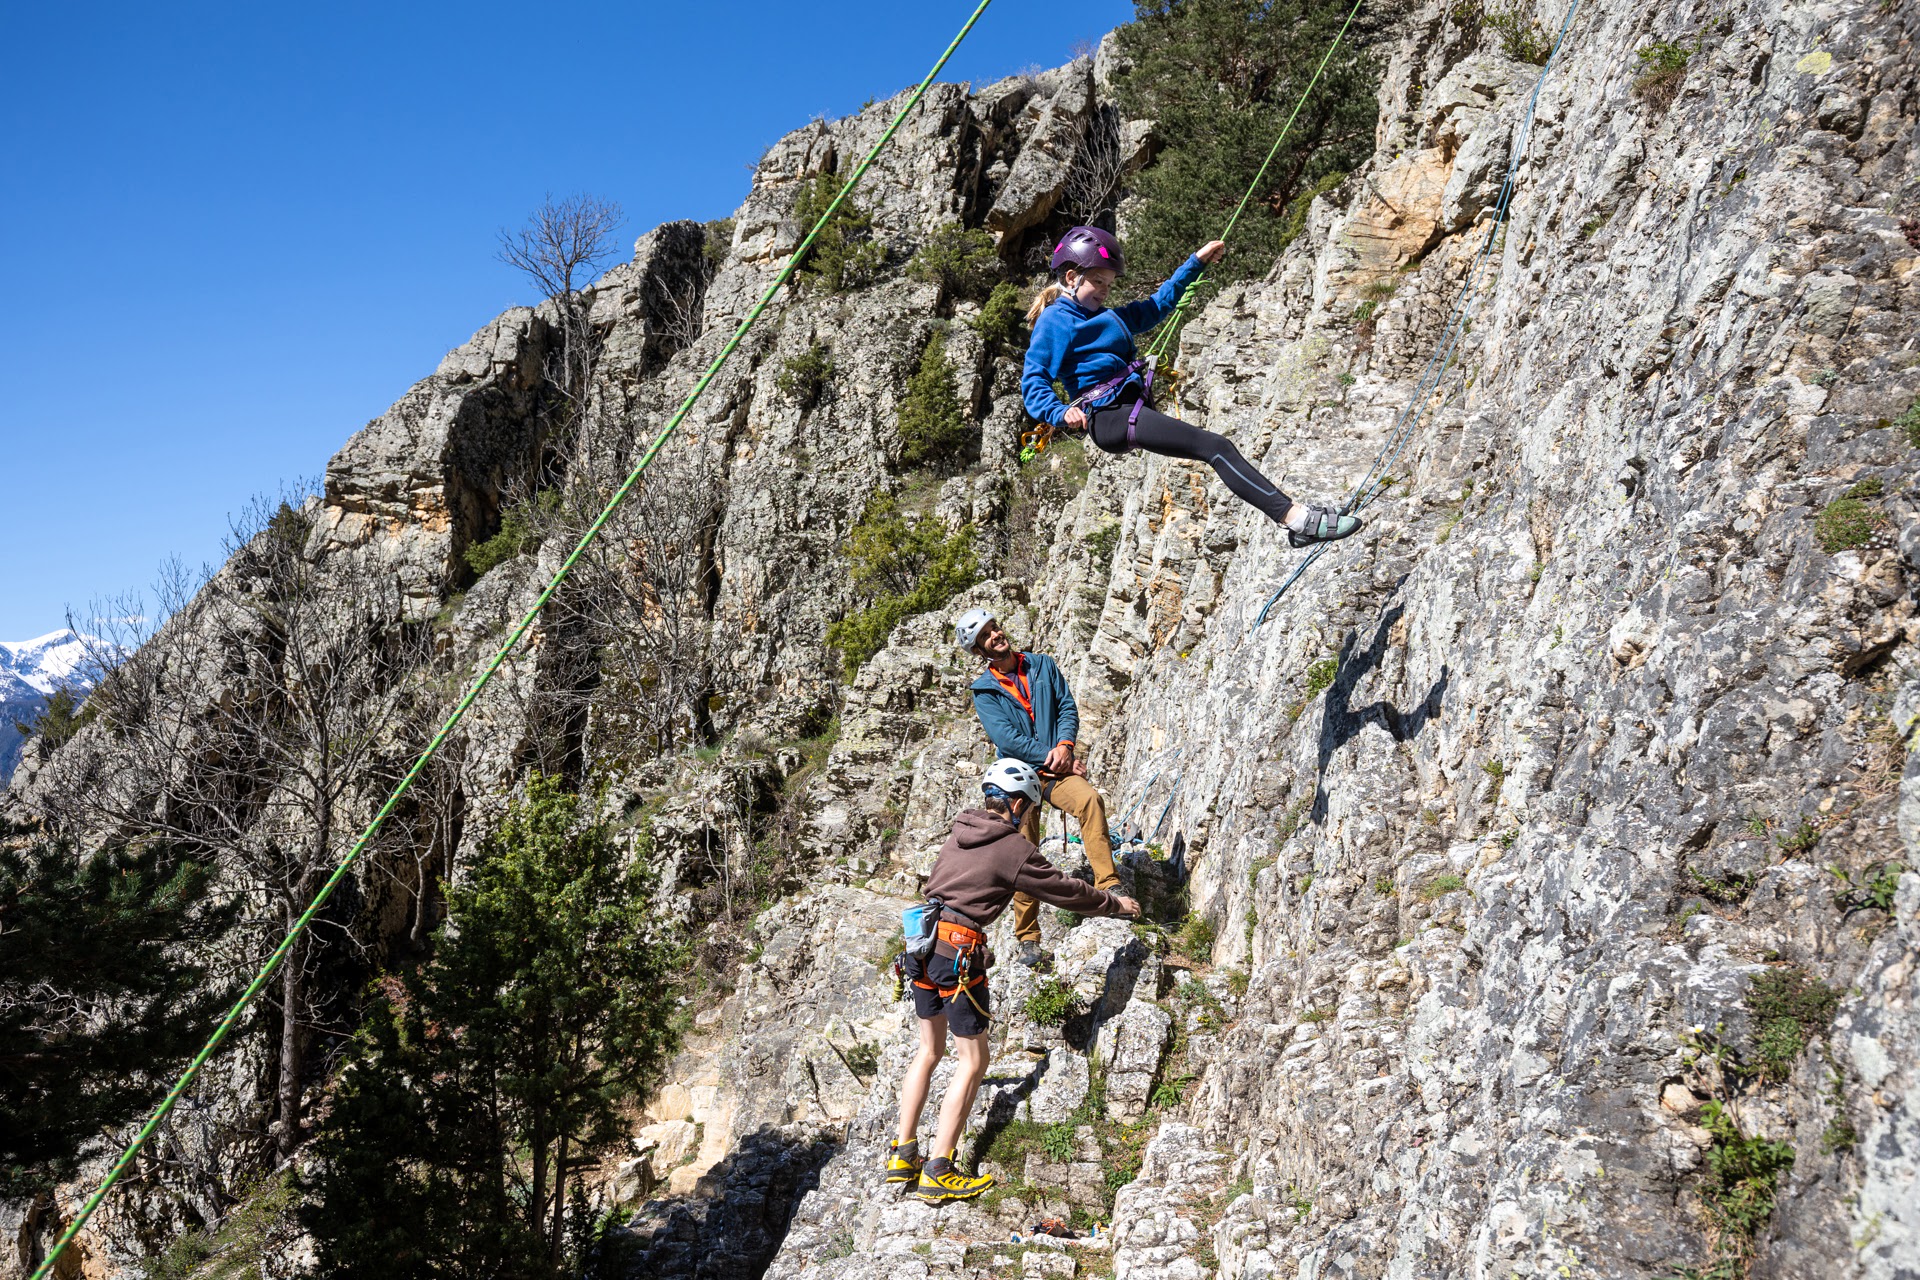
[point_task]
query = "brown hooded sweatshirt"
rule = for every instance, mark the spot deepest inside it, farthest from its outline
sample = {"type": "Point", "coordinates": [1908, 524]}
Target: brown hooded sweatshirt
{"type": "Point", "coordinates": [986, 861]}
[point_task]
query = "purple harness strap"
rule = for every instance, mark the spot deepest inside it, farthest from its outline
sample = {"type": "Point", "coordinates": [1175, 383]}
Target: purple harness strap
{"type": "Point", "coordinates": [1143, 367]}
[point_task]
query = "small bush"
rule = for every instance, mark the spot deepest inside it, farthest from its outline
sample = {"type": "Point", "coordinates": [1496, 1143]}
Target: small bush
{"type": "Point", "coordinates": [1663, 66]}
{"type": "Point", "coordinates": [1802, 838]}
{"type": "Point", "coordinates": [1845, 525]}
{"type": "Point", "coordinates": [1195, 939]}
{"type": "Point", "coordinates": [1521, 38]}
{"type": "Point", "coordinates": [1052, 1003]}
{"type": "Point", "coordinates": [518, 533]}
{"type": "Point", "coordinates": [933, 424]}
{"type": "Point", "coordinates": [1840, 1136]}
{"type": "Point", "coordinates": [1320, 676]}
{"type": "Point", "coordinates": [1871, 487]}
{"type": "Point", "coordinates": [1789, 1008]}
{"type": "Point", "coordinates": [64, 715]}
{"type": "Point", "coordinates": [1743, 1177]}
{"type": "Point", "coordinates": [1100, 547]}
{"type": "Point", "coordinates": [1057, 1141]}
{"type": "Point", "coordinates": [843, 256]}
{"type": "Point", "coordinates": [1908, 424]}
{"type": "Point", "coordinates": [1440, 886]}
{"type": "Point", "coordinates": [961, 260]}
{"type": "Point", "coordinates": [1383, 885]}
{"type": "Point", "coordinates": [1002, 317]}
{"type": "Point", "coordinates": [901, 566]}
{"type": "Point", "coordinates": [803, 377]}
{"type": "Point", "coordinates": [718, 244]}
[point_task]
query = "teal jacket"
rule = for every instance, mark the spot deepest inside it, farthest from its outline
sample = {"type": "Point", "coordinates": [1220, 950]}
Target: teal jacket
{"type": "Point", "coordinates": [1055, 719]}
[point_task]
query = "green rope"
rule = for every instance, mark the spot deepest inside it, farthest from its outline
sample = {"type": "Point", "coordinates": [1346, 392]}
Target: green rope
{"type": "Point", "coordinates": [519, 632]}
{"type": "Point", "coordinates": [1170, 327]}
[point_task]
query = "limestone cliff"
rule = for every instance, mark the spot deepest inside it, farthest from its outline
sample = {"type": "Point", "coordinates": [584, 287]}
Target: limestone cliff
{"type": "Point", "coordinates": [1506, 821]}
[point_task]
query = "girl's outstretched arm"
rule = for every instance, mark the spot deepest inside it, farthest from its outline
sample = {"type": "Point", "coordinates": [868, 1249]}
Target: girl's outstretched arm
{"type": "Point", "coordinates": [1149, 311]}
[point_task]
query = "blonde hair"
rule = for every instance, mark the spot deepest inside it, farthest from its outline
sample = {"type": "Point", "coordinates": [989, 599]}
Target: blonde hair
{"type": "Point", "coordinates": [1044, 299]}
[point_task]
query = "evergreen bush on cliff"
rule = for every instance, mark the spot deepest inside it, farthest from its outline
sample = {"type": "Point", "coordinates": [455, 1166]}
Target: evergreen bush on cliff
{"type": "Point", "coordinates": [901, 565]}
{"type": "Point", "coordinates": [101, 1003]}
{"type": "Point", "coordinates": [933, 423]}
{"type": "Point", "coordinates": [1219, 78]}
{"type": "Point", "coordinates": [482, 1083]}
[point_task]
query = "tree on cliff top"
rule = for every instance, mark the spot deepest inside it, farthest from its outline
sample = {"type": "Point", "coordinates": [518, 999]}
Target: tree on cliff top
{"type": "Point", "coordinates": [483, 1082]}
{"type": "Point", "coordinates": [1219, 78]}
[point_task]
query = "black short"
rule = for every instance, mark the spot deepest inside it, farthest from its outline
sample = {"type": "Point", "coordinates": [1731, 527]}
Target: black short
{"type": "Point", "coordinates": [968, 1012]}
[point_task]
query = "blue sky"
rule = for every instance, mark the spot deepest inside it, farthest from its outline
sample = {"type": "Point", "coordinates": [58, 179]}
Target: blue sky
{"type": "Point", "coordinates": [230, 235]}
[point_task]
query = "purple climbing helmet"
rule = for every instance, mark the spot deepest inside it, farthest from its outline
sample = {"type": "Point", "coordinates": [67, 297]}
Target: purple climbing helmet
{"type": "Point", "coordinates": [1086, 248]}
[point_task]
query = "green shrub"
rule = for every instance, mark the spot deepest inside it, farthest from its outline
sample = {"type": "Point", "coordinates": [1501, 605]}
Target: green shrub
{"type": "Point", "coordinates": [1100, 547]}
{"type": "Point", "coordinates": [1440, 886]}
{"type": "Point", "coordinates": [933, 424]}
{"type": "Point", "coordinates": [1908, 424]}
{"type": "Point", "coordinates": [900, 566]}
{"type": "Point", "coordinates": [1789, 1008]}
{"type": "Point", "coordinates": [1743, 1177]}
{"type": "Point", "coordinates": [1320, 676]}
{"type": "Point", "coordinates": [961, 260]}
{"type": "Point", "coordinates": [1663, 66]}
{"type": "Point", "coordinates": [718, 244]}
{"type": "Point", "coordinates": [1052, 1003]}
{"type": "Point", "coordinates": [1845, 525]}
{"type": "Point", "coordinates": [1802, 839]}
{"type": "Point", "coordinates": [1002, 317]}
{"type": "Point", "coordinates": [1057, 1141]}
{"type": "Point", "coordinates": [1871, 487]}
{"type": "Point", "coordinates": [1195, 939]}
{"type": "Point", "coordinates": [843, 256]}
{"type": "Point", "coordinates": [1218, 78]}
{"type": "Point", "coordinates": [519, 534]}
{"type": "Point", "coordinates": [64, 715]}
{"type": "Point", "coordinates": [804, 376]}
{"type": "Point", "coordinates": [1521, 38]}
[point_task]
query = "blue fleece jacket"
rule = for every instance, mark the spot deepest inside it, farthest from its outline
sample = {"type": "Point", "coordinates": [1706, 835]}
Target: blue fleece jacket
{"type": "Point", "coordinates": [1055, 719]}
{"type": "Point", "coordinates": [1083, 348]}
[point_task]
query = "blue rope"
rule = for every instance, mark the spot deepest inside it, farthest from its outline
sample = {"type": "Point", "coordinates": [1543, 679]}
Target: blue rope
{"type": "Point", "coordinates": [1413, 413]}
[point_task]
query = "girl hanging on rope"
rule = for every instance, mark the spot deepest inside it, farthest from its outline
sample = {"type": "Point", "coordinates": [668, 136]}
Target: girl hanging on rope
{"type": "Point", "coordinates": [1089, 349]}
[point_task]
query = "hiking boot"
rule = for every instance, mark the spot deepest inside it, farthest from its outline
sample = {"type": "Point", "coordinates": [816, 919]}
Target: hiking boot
{"type": "Point", "coordinates": [904, 1161]}
{"type": "Point", "coordinates": [1322, 524]}
{"type": "Point", "coordinates": [950, 1184]}
{"type": "Point", "coordinates": [1029, 954]}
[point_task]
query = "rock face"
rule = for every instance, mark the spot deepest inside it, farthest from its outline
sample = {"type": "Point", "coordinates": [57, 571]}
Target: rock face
{"type": "Point", "coordinates": [1505, 823]}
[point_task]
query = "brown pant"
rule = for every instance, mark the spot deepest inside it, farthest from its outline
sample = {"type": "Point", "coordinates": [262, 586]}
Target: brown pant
{"type": "Point", "coordinates": [1075, 796]}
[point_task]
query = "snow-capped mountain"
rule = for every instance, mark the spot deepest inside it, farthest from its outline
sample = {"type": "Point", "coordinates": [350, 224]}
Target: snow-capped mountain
{"type": "Point", "coordinates": [30, 670]}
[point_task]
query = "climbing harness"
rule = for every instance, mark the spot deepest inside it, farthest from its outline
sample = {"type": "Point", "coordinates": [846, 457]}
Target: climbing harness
{"type": "Point", "coordinates": [1413, 414]}
{"type": "Point", "coordinates": [1035, 441]}
{"type": "Point", "coordinates": [969, 948]}
{"type": "Point", "coordinates": [480, 682]}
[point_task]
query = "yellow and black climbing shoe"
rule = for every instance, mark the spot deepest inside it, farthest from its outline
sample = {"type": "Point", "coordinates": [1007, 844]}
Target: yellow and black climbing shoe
{"type": "Point", "coordinates": [904, 1161]}
{"type": "Point", "coordinates": [949, 1184]}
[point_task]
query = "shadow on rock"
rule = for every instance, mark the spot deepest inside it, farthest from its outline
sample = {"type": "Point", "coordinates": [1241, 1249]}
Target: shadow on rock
{"type": "Point", "coordinates": [1342, 721]}
{"type": "Point", "coordinates": [735, 1229]}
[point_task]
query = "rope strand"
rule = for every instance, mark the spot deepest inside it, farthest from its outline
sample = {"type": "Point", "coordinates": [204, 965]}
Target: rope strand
{"type": "Point", "coordinates": [519, 632]}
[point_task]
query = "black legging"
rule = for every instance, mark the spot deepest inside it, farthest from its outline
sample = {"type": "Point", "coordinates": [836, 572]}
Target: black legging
{"type": "Point", "coordinates": [1157, 433]}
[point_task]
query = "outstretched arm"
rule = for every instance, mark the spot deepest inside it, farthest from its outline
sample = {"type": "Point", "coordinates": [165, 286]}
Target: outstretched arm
{"type": "Point", "coordinates": [1149, 311]}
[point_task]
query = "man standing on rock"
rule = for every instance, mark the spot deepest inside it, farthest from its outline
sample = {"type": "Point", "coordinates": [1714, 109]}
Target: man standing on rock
{"type": "Point", "coordinates": [1027, 710]}
{"type": "Point", "coordinates": [984, 863]}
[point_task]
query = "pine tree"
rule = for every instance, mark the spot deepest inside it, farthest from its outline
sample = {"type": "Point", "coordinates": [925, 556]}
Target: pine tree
{"type": "Point", "coordinates": [1219, 78]}
{"type": "Point", "coordinates": [481, 1083]}
{"type": "Point", "coordinates": [101, 1002]}
{"type": "Point", "coordinates": [933, 423]}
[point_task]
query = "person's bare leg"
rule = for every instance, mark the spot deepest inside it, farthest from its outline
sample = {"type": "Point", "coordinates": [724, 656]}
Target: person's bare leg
{"type": "Point", "coordinates": [967, 1075]}
{"type": "Point", "coordinates": [913, 1089]}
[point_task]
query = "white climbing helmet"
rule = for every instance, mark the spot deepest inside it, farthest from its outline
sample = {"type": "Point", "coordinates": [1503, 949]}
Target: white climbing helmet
{"type": "Point", "coordinates": [968, 626]}
{"type": "Point", "coordinates": [1015, 777]}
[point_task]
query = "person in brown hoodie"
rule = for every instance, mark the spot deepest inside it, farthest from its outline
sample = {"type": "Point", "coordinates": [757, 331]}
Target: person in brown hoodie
{"type": "Point", "coordinates": [984, 863]}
